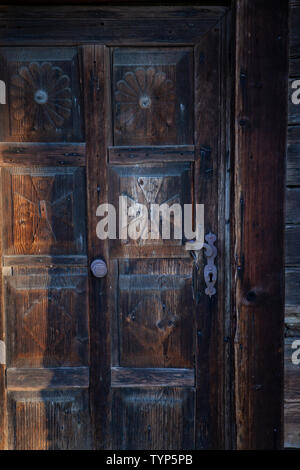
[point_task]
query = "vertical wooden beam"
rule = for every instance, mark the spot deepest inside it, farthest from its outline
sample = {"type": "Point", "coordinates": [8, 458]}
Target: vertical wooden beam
{"type": "Point", "coordinates": [95, 61]}
{"type": "Point", "coordinates": [260, 133]}
{"type": "Point", "coordinates": [209, 312]}
{"type": "Point", "coordinates": [3, 394]}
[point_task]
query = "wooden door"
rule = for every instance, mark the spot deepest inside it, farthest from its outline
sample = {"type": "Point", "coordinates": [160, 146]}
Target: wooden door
{"type": "Point", "coordinates": [45, 275]}
{"type": "Point", "coordinates": [154, 128]}
{"type": "Point", "coordinates": [134, 360]}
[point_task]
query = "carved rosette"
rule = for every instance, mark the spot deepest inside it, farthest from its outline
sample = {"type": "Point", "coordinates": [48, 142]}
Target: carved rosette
{"type": "Point", "coordinates": [41, 93]}
{"type": "Point", "coordinates": [142, 93]}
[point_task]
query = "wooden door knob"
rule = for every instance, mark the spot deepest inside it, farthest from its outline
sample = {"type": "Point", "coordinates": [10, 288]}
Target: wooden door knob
{"type": "Point", "coordinates": [99, 268]}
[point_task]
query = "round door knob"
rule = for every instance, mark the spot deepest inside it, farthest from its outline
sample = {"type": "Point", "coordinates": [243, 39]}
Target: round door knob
{"type": "Point", "coordinates": [99, 268]}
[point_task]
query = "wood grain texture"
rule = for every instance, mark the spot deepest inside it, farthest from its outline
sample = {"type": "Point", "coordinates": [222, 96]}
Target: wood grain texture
{"type": "Point", "coordinates": [49, 420]}
{"type": "Point", "coordinates": [3, 390]}
{"type": "Point", "coordinates": [294, 64]}
{"type": "Point", "coordinates": [292, 206]}
{"type": "Point", "coordinates": [45, 210]}
{"type": "Point", "coordinates": [291, 428]}
{"type": "Point", "coordinates": [168, 153]}
{"type": "Point", "coordinates": [166, 24]}
{"type": "Point", "coordinates": [291, 373]}
{"type": "Point", "coordinates": [140, 377]}
{"type": "Point", "coordinates": [164, 418]}
{"type": "Point", "coordinates": [292, 292]}
{"type": "Point", "coordinates": [292, 298]}
{"type": "Point", "coordinates": [96, 82]}
{"type": "Point", "coordinates": [260, 129]}
{"type": "Point", "coordinates": [156, 321]}
{"type": "Point", "coordinates": [47, 378]}
{"type": "Point", "coordinates": [292, 245]}
{"type": "Point", "coordinates": [295, 30]}
{"type": "Point", "coordinates": [211, 404]}
{"type": "Point", "coordinates": [293, 157]}
{"type": "Point", "coordinates": [94, 9]}
{"type": "Point", "coordinates": [44, 260]}
{"type": "Point", "coordinates": [46, 317]}
{"type": "Point", "coordinates": [42, 154]}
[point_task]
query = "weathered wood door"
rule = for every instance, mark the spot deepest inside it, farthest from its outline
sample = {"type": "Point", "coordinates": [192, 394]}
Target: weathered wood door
{"type": "Point", "coordinates": [134, 360]}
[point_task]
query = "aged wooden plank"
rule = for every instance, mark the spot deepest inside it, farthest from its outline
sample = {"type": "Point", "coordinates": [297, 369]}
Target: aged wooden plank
{"type": "Point", "coordinates": [294, 68]}
{"type": "Point", "coordinates": [224, 263]}
{"type": "Point", "coordinates": [58, 154]}
{"type": "Point", "coordinates": [47, 260]}
{"type": "Point", "coordinates": [292, 206]}
{"type": "Point", "coordinates": [50, 378]}
{"type": "Point", "coordinates": [292, 243]}
{"type": "Point", "coordinates": [139, 377]}
{"type": "Point", "coordinates": [292, 425]}
{"type": "Point", "coordinates": [260, 106]}
{"type": "Point", "coordinates": [112, 12]}
{"type": "Point", "coordinates": [96, 88]}
{"type": "Point", "coordinates": [292, 291]}
{"type": "Point", "coordinates": [293, 156]}
{"type": "Point", "coordinates": [292, 325]}
{"type": "Point", "coordinates": [3, 392]}
{"type": "Point", "coordinates": [295, 31]}
{"type": "Point", "coordinates": [128, 31]}
{"type": "Point", "coordinates": [125, 155]}
{"type": "Point", "coordinates": [291, 372]}
{"type": "Point", "coordinates": [210, 408]}
{"type": "Point", "coordinates": [124, 252]}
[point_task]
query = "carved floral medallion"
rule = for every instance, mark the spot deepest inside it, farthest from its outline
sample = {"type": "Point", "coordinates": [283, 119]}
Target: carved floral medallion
{"type": "Point", "coordinates": [144, 93]}
{"type": "Point", "coordinates": [41, 93]}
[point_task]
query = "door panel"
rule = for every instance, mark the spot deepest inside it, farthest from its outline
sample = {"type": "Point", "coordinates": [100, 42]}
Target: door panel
{"type": "Point", "coordinates": [48, 420]}
{"type": "Point", "coordinates": [46, 311]}
{"type": "Point", "coordinates": [46, 206]}
{"type": "Point", "coordinates": [155, 316]}
{"type": "Point", "coordinates": [43, 95]}
{"type": "Point", "coordinates": [44, 252]}
{"type": "Point", "coordinates": [150, 184]}
{"type": "Point", "coordinates": [151, 412]}
{"type": "Point", "coordinates": [153, 92]}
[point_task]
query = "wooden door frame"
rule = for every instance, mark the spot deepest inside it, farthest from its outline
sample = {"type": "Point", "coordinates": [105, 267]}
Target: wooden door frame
{"type": "Point", "coordinates": [260, 128]}
{"type": "Point", "coordinates": [258, 145]}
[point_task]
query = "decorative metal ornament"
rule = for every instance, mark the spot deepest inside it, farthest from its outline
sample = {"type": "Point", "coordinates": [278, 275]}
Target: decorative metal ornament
{"type": "Point", "coordinates": [210, 270]}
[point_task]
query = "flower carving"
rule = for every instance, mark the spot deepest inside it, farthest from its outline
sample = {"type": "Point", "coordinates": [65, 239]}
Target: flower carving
{"type": "Point", "coordinates": [42, 94]}
{"type": "Point", "coordinates": [145, 95]}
